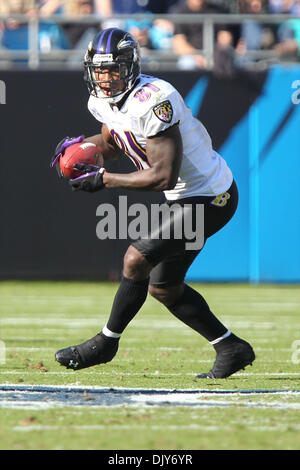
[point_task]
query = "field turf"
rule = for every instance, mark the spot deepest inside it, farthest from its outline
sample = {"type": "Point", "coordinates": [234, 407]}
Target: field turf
{"type": "Point", "coordinates": [157, 353]}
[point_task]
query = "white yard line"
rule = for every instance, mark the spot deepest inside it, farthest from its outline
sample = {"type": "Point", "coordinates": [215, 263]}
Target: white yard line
{"type": "Point", "coordinates": [207, 404]}
{"type": "Point", "coordinates": [140, 324]}
{"type": "Point", "coordinates": [145, 373]}
{"type": "Point", "coordinates": [123, 427]}
{"type": "Point", "coordinates": [95, 388]}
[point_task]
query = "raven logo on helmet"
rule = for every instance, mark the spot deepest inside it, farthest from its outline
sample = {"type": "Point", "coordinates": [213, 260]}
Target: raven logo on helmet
{"type": "Point", "coordinates": [122, 44]}
{"type": "Point", "coordinates": [116, 50]}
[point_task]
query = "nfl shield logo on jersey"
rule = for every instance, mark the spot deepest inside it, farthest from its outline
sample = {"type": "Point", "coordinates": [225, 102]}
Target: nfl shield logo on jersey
{"type": "Point", "coordinates": [164, 111]}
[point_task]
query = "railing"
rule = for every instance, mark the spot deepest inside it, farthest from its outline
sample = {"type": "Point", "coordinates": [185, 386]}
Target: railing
{"type": "Point", "coordinates": [34, 58]}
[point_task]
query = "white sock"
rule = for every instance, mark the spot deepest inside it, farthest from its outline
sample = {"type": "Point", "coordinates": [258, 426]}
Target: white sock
{"type": "Point", "coordinates": [109, 333]}
{"type": "Point", "coordinates": [215, 341]}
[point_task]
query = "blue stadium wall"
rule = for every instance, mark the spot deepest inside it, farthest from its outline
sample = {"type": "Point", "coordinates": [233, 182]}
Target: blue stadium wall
{"type": "Point", "coordinates": [262, 242]}
{"type": "Point", "coordinates": [48, 232]}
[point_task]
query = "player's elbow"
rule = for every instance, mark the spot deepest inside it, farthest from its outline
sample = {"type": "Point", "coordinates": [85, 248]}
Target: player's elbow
{"type": "Point", "coordinates": [171, 183]}
{"type": "Point", "coordinates": [168, 182]}
{"type": "Point", "coordinates": [164, 179]}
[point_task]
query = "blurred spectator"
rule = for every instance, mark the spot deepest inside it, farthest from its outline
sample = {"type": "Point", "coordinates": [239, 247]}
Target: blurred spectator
{"type": "Point", "coordinates": [103, 7]}
{"type": "Point", "coordinates": [161, 34]}
{"type": "Point", "coordinates": [79, 34]}
{"type": "Point", "coordinates": [11, 7]}
{"type": "Point", "coordinates": [14, 7]}
{"type": "Point", "coordinates": [189, 37]}
{"type": "Point", "coordinates": [108, 8]}
{"type": "Point", "coordinates": [284, 6]}
{"type": "Point", "coordinates": [50, 7]}
{"type": "Point", "coordinates": [160, 6]}
{"type": "Point", "coordinates": [10, 27]}
{"type": "Point", "coordinates": [140, 31]}
{"type": "Point", "coordinates": [157, 34]}
{"type": "Point", "coordinates": [255, 35]}
{"type": "Point", "coordinates": [127, 7]}
{"type": "Point", "coordinates": [134, 6]}
{"type": "Point", "coordinates": [15, 35]}
{"type": "Point", "coordinates": [288, 34]}
{"type": "Point", "coordinates": [253, 6]}
{"type": "Point", "coordinates": [289, 45]}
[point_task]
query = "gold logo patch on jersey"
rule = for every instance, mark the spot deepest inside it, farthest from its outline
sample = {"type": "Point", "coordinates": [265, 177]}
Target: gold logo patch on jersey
{"type": "Point", "coordinates": [164, 111]}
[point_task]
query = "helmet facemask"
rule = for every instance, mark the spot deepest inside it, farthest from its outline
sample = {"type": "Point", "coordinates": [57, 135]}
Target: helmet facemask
{"type": "Point", "coordinates": [116, 84]}
{"type": "Point", "coordinates": [125, 67]}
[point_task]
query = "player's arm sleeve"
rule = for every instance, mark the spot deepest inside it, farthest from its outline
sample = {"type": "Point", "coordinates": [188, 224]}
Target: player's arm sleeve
{"type": "Point", "coordinates": [103, 140]}
{"type": "Point", "coordinates": [93, 109]}
{"type": "Point", "coordinates": [161, 116]}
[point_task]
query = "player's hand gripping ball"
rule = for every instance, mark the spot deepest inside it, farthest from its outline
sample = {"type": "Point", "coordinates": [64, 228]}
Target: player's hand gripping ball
{"type": "Point", "coordinates": [85, 153]}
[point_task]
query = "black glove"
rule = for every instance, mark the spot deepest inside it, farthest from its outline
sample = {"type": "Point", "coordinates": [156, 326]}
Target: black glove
{"type": "Point", "coordinates": [60, 149]}
{"type": "Point", "coordinates": [91, 181]}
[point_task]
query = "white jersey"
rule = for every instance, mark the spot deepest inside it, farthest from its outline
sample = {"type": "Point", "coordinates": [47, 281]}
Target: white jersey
{"type": "Point", "coordinates": [152, 106]}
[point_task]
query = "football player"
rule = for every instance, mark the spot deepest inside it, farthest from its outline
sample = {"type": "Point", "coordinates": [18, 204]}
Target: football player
{"type": "Point", "coordinates": [146, 119]}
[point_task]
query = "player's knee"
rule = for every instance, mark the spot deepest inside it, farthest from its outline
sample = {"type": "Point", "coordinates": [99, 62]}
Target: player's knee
{"type": "Point", "coordinates": [135, 264]}
{"type": "Point", "coordinates": [168, 295]}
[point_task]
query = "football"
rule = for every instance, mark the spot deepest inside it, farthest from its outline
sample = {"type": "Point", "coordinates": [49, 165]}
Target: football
{"type": "Point", "coordinates": [83, 152]}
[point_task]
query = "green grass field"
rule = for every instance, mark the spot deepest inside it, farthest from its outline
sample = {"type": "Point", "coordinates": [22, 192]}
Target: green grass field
{"type": "Point", "coordinates": [156, 352]}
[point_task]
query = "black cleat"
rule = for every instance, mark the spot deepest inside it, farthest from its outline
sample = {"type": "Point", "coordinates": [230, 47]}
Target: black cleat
{"type": "Point", "coordinates": [232, 356]}
{"type": "Point", "coordinates": [97, 350]}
